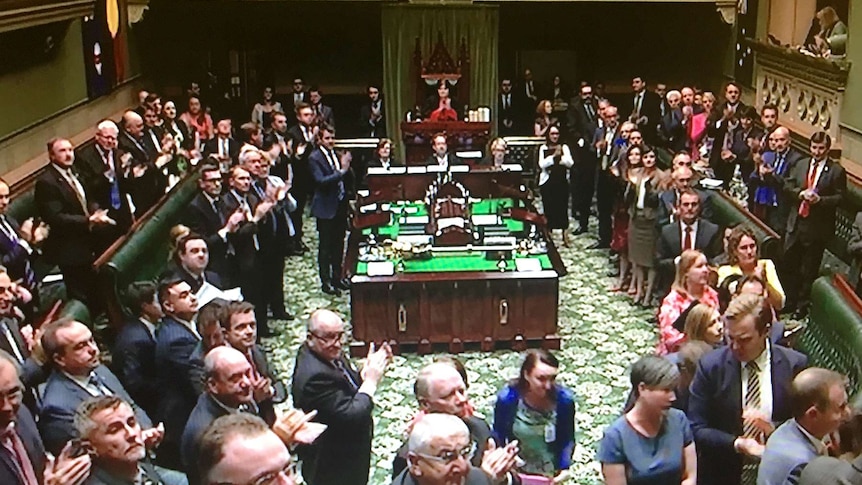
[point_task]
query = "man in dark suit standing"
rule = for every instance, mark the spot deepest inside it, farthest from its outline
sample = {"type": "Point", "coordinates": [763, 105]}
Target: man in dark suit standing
{"type": "Point", "coordinates": [20, 246]}
{"type": "Point", "coordinates": [322, 113]}
{"type": "Point", "coordinates": [816, 187]}
{"type": "Point", "coordinates": [329, 206]}
{"type": "Point", "coordinates": [145, 163]}
{"type": "Point", "coordinates": [773, 206]}
{"type": "Point", "coordinates": [134, 352]}
{"type": "Point", "coordinates": [77, 376]}
{"type": "Point", "coordinates": [372, 116]}
{"type": "Point", "coordinates": [689, 231]}
{"type": "Point", "coordinates": [509, 110]}
{"type": "Point", "coordinates": [583, 122]}
{"type": "Point", "coordinates": [302, 136]}
{"type": "Point", "coordinates": [62, 204]}
{"type": "Point", "coordinates": [298, 94]}
{"type": "Point", "coordinates": [324, 380]}
{"type": "Point", "coordinates": [103, 172]}
{"type": "Point", "coordinates": [175, 342]}
{"type": "Point", "coordinates": [645, 109]}
{"type": "Point", "coordinates": [223, 146]}
{"type": "Point", "coordinates": [737, 393]}
{"type": "Point", "coordinates": [674, 131]}
{"type": "Point", "coordinates": [22, 454]}
{"type": "Point", "coordinates": [606, 142]}
{"type": "Point", "coordinates": [229, 389]}
{"type": "Point", "coordinates": [743, 139]}
{"type": "Point", "coordinates": [721, 158]}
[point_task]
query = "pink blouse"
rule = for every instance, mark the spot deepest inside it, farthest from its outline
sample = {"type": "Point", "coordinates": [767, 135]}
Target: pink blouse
{"type": "Point", "coordinates": [203, 125]}
{"type": "Point", "coordinates": [670, 339]}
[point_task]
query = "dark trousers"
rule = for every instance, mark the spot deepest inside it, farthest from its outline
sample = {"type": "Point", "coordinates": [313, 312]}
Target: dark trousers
{"type": "Point", "coordinates": [606, 193]}
{"type": "Point", "coordinates": [583, 182]}
{"type": "Point", "coordinates": [801, 265]}
{"type": "Point", "coordinates": [330, 252]}
{"type": "Point", "coordinates": [301, 197]}
{"type": "Point", "coordinates": [80, 281]}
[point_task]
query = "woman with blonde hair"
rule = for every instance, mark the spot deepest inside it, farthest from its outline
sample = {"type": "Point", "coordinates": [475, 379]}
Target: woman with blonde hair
{"type": "Point", "coordinates": [703, 324]}
{"type": "Point", "coordinates": [690, 285]}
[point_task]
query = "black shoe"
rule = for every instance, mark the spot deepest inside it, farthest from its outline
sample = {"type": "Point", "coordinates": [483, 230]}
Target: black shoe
{"type": "Point", "coordinates": [283, 315]}
{"type": "Point", "coordinates": [342, 284]}
{"type": "Point", "coordinates": [599, 245]}
{"type": "Point", "coordinates": [580, 230]}
{"type": "Point", "coordinates": [330, 290]}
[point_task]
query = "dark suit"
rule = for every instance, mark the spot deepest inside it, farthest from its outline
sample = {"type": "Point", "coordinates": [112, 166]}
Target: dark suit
{"type": "Point", "coordinates": [667, 202]}
{"type": "Point", "coordinates": [61, 399]}
{"type": "Point", "coordinates": [776, 216]}
{"type": "Point", "coordinates": [174, 346]}
{"type": "Point", "coordinates": [266, 409]}
{"type": "Point", "coordinates": [720, 130]}
{"type": "Point", "coordinates": [342, 454]}
{"type": "Point", "coordinates": [31, 373]}
{"type": "Point", "coordinates": [368, 127]}
{"type": "Point", "coordinates": [134, 363]}
{"type": "Point", "coordinates": [607, 187]}
{"type": "Point", "coordinates": [582, 128]}
{"type": "Point", "coordinates": [211, 147]}
{"type": "Point", "coordinates": [205, 412]}
{"type": "Point", "coordinates": [25, 426]}
{"type": "Point", "coordinates": [70, 243]}
{"type": "Point", "coordinates": [204, 219]}
{"type": "Point", "coordinates": [650, 109]}
{"type": "Point", "coordinates": [99, 182]}
{"type": "Point", "coordinates": [149, 188]}
{"type": "Point", "coordinates": [673, 130]}
{"type": "Point", "coordinates": [331, 214]}
{"type": "Point", "coordinates": [479, 434]}
{"type": "Point", "coordinates": [708, 240]}
{"type": "Point", "coordinates": [195, 283]}
{"type": "Point", "coordinates": [245, 244]}
{"type": "Point", "coordinates": [323, 114]}
{"type": "Point", "coordinates": [303, 184]}
{"type": "Point", "coordinates": [715, 409]}
{"type": "Point", "coordinates": [475, 476]}
{"type": "Point", "coordinates": [510, 114]}
{"type": "Point", "coordinates": [742, 151]}
{"type": "Point", "coordinates": [451, 159]}
{"type": "Point", "coordinates": [15, 258]}
{"type": "Point", "coordinates": [806, 237]}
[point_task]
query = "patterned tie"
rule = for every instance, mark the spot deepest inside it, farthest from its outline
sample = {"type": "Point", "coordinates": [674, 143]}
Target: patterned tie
{"type": "Point", "coordinates": [752, 401]}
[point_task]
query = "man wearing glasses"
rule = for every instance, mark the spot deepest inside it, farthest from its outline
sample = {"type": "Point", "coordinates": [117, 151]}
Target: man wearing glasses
{"type": "Point", "coordinates": [439, 454]}
{"type": "Point", "coordinates": [324, 380]}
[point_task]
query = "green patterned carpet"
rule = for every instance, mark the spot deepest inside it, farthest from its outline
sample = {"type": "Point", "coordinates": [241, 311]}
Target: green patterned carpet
{"type": "Point", "coordinates": [602, 334]}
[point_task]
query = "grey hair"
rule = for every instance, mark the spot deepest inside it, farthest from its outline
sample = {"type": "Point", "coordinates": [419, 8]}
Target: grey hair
{"type": "Point", "coordinates": [107, 125]}
{"type": "Point", "coordinates": [246, 152]}
{"type": "Point", "coordinates": [431, 426]}
{"type": "Point", "coordinates": [83, 419]}
{"type": "Point", "coordinates": [427, 375]}
{"type": "Point", "coordinates": [673, 94]}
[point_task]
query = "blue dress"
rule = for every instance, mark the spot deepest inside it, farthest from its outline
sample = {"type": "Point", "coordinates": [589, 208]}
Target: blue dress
{"type": "Point", "coordinates": [648, 461]}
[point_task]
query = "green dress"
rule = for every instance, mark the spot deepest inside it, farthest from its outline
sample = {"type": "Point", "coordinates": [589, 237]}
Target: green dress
{"type": "Point", "coordinates": [532, 428]}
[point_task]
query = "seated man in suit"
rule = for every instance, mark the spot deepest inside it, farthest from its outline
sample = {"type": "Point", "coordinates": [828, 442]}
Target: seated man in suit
{"type": "Point", "coordinates": [439, 439]}
{"type": "Point", "coordinates": [19, 245]}
{"type": "Point", "coordinates": [441, 156]}
{"type": "Point", "coordinates": [818, 398]}
{"type": "Point", "coordinates": [324, 380]}
{"type": "Point", "coordinates": [190, 263]}
{"type": "Point", "coordinates": [15, 339]}
{"type": "Point", "coordinates": [689, 231]}
{"type": "Point", "coordinates": [440, 389]}
{"type": "Point", "coordinates": [77, 375]}
{"type": "Point", "coordinates": [117, 444]}
{"type": "Point", "coordinates": [175, 342]}
{"type": "Point", "coordinates": [223, 146]}
{"type": "Point", "coordinates": [229, 389]}
{"type": "Point", "coordinates": [212, 336]}
{"type": "Point", "coordinates": [240, 331]}
{"type": "Point", "coordinates": [737, 393]}
{"type": "Point", "coordinates": [134, 352]}
{"type": "Point", "coordinates": [20, 433]}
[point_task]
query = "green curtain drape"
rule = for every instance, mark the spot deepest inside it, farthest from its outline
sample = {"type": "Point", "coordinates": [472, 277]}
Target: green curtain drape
{"type": "Point", "coordinates": [402, 24]}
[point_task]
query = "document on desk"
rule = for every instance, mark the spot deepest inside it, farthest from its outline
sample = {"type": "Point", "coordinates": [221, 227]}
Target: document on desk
{"type": "Point", "coordinates": [208, 293]}
{"type": "Point", "coordinates": [380, 268]}
{"type": "Point", "coordinates": [417, 169]}
{"type": "Point", "coordinates": [383, 171]}
{"type": "Point", "coordinates": [528, 264]}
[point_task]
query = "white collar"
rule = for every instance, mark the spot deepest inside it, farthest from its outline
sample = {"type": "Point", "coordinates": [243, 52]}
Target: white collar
{"type": "Point", "coordinates": [151, 327]}
{"type": "Point", "coordinates": [819, 445]}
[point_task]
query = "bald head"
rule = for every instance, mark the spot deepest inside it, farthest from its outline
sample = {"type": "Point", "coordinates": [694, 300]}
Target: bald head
{"type": "Point", "coordinates": [321, 318]}
{"type": "Point", "coordinates": [325, 333]}
{"type": "Point", "coordinates": [682, 176]}
{"type": "Point", "coordinates": [221, 357]}
{"type": "Point", "coordinates": [433, 426]}
{"type": "Point", "coordinates": [133, 123]}
{"type": "Point", "coordinates": [780, 139]}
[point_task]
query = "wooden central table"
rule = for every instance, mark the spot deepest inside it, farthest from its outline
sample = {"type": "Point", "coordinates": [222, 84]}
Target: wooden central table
{"type": "Point", "coordinates": [460, 298]}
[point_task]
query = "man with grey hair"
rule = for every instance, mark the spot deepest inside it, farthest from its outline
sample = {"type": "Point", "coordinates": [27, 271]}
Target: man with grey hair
{"type": "Point", "coordinates": [228, 385]}
{"type": "Point", "coordinates": [112, 436]}
{"type": "Point", "coordinates": [144, 164]}
{"type": "Point", "coordinates": [607, 150]}
{"type": "Point", "coordinates": [439, 452]}
{"type": "Point", "coordinates": [818, 399]}
{"type": "Point", "coordinates": [324, 380]}
{"type": "Point", "coordinates": [440, 389]}
{"type": "Point", "coordinates": [673, 124]}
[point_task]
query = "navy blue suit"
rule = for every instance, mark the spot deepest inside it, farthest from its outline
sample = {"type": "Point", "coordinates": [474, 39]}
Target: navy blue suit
{"type": "Point", "coordinates": [206, 220]}
{"type": "Point", "coordinates": [205, 412]}
{"type": "Point", "coordinates": [174, 346]}
{"type": "Point", "coordinates": [715, 409]}
{"type": "Point", "coordinates": [135, 364]}
{"type": "Point", "coordinates": [329, 206]}
{"type": "Point", "coordinates": [61, 399]}
{"type": "Point", "coordinates": [25, 425]}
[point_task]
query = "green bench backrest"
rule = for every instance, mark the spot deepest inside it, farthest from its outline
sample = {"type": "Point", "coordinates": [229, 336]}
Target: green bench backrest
{"type": "Point", "coordinates": [833, 338]}
{"type": "Point", "coordinates": [844, 217]}
{"type": "Point", "coordinates": [726, 213]}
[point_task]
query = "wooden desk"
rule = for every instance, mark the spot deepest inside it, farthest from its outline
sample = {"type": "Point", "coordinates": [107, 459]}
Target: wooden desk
{"type": "Point", "coordinates": [461, 136]}
{"type": "Point", "coordinates": [482, 183]}
{"type": "Point", "coordinates": [463, 301]}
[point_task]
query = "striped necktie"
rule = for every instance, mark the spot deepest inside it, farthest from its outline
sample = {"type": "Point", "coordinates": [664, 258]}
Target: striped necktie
{"type": "Point", "coordinates": [752, 401]}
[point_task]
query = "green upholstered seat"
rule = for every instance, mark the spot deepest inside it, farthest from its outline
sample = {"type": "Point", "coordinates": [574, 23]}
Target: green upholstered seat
{"type": "Point", "coordinates": [833, 337]}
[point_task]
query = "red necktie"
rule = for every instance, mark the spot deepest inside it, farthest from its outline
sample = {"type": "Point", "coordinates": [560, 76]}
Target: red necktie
{"type": "Point", "coordinates": [687, 244]}
{"type": "Point", "coordinates": [13, 443]}
{"type": "Point", "coordinates": [804, 206]}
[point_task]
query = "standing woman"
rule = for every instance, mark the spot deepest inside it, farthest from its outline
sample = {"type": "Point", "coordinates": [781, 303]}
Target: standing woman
{"type": "Point", "coordinates": [176, 127]}
{"type": "Point", "coordinates": [544, 120]}
{"type": "Point", "coordinates": [700, 126]}
{"type": "Point", "coordinates": [555, 160]}
{"type": "Point", "coordinates": [199, 122]}
{"type": "Point", "coordinates": [262, 112]}
{"type": "Point", "coordinates": [631, 163]}
{"type": "Point", "coordinates": [642, 200]}
{"type": "Point", "coordinates": [540, 414]}
{"type": "Point", "coordinates": [652, 443]}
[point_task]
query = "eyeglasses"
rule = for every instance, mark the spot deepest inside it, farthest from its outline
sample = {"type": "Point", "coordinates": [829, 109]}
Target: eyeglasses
{"type": "Point", "coordinates": [289, 472]}
{"type": "Point", "coordinates": [12, 395]}
{"type": "Point", "coordinates": [329, 339]}
{"type": "Point", "coordinates": [448, 457]}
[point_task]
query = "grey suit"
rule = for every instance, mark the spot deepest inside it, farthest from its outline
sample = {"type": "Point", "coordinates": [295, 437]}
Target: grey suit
{"type": "Point", "coordinates": [826, 470]}
{"type": "Point", "coordinates": [61, 399]}
{"type": "Point", "coordinates": [475, 476]}
{"type": "Point", "coordinates": [787, 452]}
{"type": "Point", "coordinates": [161, 476]}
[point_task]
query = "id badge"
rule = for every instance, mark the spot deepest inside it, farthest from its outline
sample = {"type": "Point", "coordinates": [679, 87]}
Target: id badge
{"type": "Point", "coordinates": [550, 433]}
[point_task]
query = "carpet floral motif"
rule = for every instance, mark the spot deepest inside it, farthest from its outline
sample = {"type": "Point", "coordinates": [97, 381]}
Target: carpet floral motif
{"type": "Point", "coordinates": [602, 334]}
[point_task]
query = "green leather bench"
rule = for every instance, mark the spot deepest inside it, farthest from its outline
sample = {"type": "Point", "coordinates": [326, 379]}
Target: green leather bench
{"type": "Point", "coordinates": [844, 217]}
{"type": "Point", "coordinates": [143, 253]}
{"type": "Point", "coordinates": [833, 337]}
